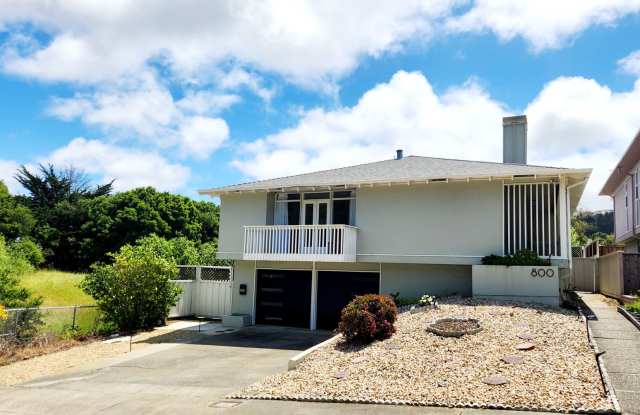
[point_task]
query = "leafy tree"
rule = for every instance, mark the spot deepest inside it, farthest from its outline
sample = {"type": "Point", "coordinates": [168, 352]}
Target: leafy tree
{"type": "Point", "coordinates": [27, 249]}
{"type": "Point", "coordinates": [181, 250]}
{"type": "Point", "coordinates": [12, 266]}
{"type": "Point", "coordinates": [15, 220]}
{"type": "Point", "coordinates": [578, 232]}
{"type": "Point", "coordinates": [57, 199]}
{"type": "Point", "coordinates": [49, 186]}
{"type": "Point", "coordinates": [135, 291]}
{"type": "Point", "coordinates": [594, 226]}
{"type": "Point", "coordinates": [124, 218]}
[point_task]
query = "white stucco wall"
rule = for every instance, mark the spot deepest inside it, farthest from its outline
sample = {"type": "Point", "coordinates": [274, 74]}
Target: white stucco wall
{"type": "Point", "coordinates": [434, 223]}
{"type": "Point", "coordinates": [414, 280]}
{"type": "Point", "coordinates": [237, 211]}
{"type": "Point", "coordinates": [410, 280]}
{"type": "Point", "coordinates": [520, 283]}
{"type": "Point", "coordinates": [623, 217]}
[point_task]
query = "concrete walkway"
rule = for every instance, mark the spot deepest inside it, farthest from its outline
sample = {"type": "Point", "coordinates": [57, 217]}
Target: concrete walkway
{"type": "Point", "coordinates": [620, 340]}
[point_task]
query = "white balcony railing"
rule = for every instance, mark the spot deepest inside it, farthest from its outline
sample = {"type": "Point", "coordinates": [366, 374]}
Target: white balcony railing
{"type": "Point", "coordinates": [328, 243]}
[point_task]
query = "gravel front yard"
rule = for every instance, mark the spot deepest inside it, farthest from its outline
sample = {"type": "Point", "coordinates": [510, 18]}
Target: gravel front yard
{"type": "Point", "coordinates": [416, 367]}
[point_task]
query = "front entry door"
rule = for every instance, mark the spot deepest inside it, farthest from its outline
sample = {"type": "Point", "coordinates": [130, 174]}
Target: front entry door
{"type": "Point", "coordinates": [316, 212]}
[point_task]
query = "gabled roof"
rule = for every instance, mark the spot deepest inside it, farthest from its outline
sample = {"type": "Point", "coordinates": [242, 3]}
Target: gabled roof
{"type": "Point", "coordinates": [626, 163]}
{"type": "Point", "coordinates": [410, 169]}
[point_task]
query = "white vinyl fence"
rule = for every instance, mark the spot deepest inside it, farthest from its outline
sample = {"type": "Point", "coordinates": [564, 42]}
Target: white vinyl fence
{"type": "Point", "coordinates": [206, 291]}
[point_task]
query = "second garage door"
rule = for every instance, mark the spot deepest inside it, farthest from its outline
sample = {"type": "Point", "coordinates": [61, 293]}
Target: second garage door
{"type": "Point", "coordinates": [337, 289]}
{"type": "Point", "coordinates": [283, 298]}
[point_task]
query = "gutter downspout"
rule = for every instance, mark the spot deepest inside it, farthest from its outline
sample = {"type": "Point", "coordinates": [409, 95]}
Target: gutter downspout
{"type": "Point", "coordinates": [568, 189]}
{"type": "Point", "coordinates": [569, 214]}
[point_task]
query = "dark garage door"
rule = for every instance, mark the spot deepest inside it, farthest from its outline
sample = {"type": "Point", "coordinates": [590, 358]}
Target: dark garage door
{"type": "Point", "coordinates": [336, 289]}
{"type": "Point", "coordinates": [283, 298]}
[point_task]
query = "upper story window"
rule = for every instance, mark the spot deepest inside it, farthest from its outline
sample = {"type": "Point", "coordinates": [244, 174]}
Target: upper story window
{"type": "Point", "coordinates": [315, 208]}
{"type": "Point", "coordinates": [636, 196]}
{"type": "Point", "coordinates": [626, 204]}
{"type": "Point", "coordinates": [531, 218]}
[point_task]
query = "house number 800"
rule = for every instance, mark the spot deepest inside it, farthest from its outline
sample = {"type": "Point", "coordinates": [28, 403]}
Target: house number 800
{"type": "Point", "coordinates": [541, 272]}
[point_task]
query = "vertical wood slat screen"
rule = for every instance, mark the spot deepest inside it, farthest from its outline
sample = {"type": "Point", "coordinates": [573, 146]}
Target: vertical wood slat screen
{"type": "Point", "coordinates": [530, 217]}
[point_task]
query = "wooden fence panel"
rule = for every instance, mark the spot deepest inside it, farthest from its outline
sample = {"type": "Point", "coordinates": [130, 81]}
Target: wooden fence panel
{"type": "Point", "coordinates": [610, 274]}
{"type": "Point", "coordinates": [584, 274]}
{"type": "Point", "coordinates": [631, 273]}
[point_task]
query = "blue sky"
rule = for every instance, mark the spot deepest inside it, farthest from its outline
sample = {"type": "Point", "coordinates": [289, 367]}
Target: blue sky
{"type": "Point", "coordinates": [203, 94]}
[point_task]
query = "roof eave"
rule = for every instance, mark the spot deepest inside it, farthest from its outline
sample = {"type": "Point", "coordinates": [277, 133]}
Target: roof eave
{"type": "Point", "coordinates": [372, 183]}
{"type": "Point", "coordinates": [618, 173]}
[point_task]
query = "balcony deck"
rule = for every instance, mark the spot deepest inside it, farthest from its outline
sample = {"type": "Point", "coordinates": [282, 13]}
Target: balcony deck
{"type": "Point", "coordinates": [321, 243]}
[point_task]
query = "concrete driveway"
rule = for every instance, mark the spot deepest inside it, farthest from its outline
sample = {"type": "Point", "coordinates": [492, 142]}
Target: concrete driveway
{"type": "Point", "coordinates": [165, 378]}
{"type": "Point", "coordinates": [190, 378]}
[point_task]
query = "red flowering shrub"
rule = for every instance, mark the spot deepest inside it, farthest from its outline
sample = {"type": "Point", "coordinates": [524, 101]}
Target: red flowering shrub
{"type": "Point", "coordinates": [368, 317]}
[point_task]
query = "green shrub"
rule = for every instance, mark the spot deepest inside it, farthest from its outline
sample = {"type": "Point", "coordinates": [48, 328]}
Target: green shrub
{"type": "Point", "coordinates": [523, 257]}
{"type": "Point", "coordinates": [28, 250]}
{"type": "Point", "coordinates": [13, 295]}
{"type": "Point", "coordinates": [135, 291]}
{"type": "Point", "coordinates": [633, 307]}
{"type": "Point", "coordinates": [182, 250]}
{"type": "Point", "coordinates": [368, 317]}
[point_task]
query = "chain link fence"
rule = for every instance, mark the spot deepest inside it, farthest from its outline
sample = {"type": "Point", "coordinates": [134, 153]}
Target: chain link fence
{"type": "Point", "coordinates": [58, 321]}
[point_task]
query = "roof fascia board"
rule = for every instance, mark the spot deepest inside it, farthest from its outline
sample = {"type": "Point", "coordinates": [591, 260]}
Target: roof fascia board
{"type": "Point", "coordinates": [387, 183]}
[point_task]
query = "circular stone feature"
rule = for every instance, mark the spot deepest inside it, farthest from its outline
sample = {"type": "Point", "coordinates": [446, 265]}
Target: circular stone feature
{"type": "Point", "coordinates": [525, 346]}
{"type": "Point", "coordinates": [526, 336]}
{"type": "Point", "coordinates": [454, 327]}
{"type": "Point", "coordinates": [513, 360]}
{"type": "Point", "coordinates": [495, 380]}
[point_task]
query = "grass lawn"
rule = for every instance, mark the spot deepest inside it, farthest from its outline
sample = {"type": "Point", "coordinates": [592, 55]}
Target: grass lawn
{"type": "Point", "coordinates": [57, 288]}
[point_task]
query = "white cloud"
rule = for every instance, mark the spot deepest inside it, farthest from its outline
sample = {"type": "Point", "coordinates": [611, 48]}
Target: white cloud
{"type": "Point", "coordinates": [206, 102]}
{"type": "Point", "coordinates": [577, 121]}
{"type": "Point", "coordinates": [145, 110]}
{"type": "Point", "coordinates": [308, 42]}
{"type": "Point", "coordinates": [239, 77]}
{"type": "Point", "coordinates": [404, 113]}
{"type": "Point", "coordinates": [631, 63]}
{"type": "Point", "coordinates": [543, 23]}
{"type": "Point", "coordinates": [573, 122]}
{"type": "Point", "coordinates": [129, 168]}
{"type": "Point", "coordinates": [8, 169]}
{"type": "Point", "coordinates": [200, 136]}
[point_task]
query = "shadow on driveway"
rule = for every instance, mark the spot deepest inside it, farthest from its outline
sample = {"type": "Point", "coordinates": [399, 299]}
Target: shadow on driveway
{"type": "Point", "coordinates": [268, 337]}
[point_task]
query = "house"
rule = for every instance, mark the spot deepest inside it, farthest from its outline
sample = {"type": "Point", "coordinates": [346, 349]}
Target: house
{"type": "Point", "coordinates": [303, 245]}
{"type": "Point", "coordinates": [622, 186]}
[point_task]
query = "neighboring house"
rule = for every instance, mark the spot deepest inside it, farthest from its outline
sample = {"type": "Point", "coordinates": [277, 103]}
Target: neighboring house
{"type": "Point", "coordinates": [622, 186]}
{"type": "Point", "coordinates": [303, 245]}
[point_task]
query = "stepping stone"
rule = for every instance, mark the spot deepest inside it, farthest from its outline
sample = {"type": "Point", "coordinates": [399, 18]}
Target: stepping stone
{"type": "Point", "coordinates": [525, 346]}
{"type": "Point", "coordinates": [522, 325]}
{"type": "Point", "coordinates": [526, 336]}
{"type": "Point", "coordinates": [359, 359]}
{"type": "Point", "coordinates": [495, 380]}
{"type": "Point", "coordinates": [442, 384]}
{"type": "Point", "coordinates": [340, 374]}
{"type": "Point", "coordinates": [513, 360]}
{"type": "Point", "coordinates": [392, 346]}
